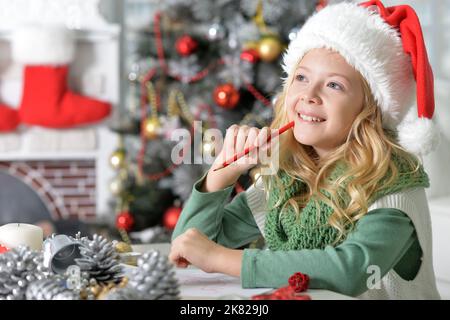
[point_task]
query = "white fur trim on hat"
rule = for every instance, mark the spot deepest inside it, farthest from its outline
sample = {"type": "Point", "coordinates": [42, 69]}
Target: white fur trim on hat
{"type": "Point", "coordinates": [368, 44]}
{"type": "Point", "coordinates": [42, 45]}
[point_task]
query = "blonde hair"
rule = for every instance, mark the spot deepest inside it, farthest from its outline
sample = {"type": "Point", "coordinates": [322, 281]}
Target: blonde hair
{"type": "Point", "coordinates": [367, 152]}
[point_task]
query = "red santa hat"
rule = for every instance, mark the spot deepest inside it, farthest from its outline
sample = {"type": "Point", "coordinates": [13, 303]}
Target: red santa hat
{"type": "Point", "coordinates": [386, 46]}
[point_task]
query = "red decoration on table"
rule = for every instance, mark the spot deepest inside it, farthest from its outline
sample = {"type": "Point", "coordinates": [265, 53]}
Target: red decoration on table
{"type": "Point", "coordinates": [3, 249]}
{"type": "Point", "coordinates": [250, 55]}
{"type": "Point", "coordinates": [171, 216]}
{"type": "Point", "coordinates": [298, 283]}
{"type": "Point", "coordinates": [124, 220]}
{"type": "Point", "coordinates": [226, 96]}
{"type": "Point", "coordinates": [186, 45]}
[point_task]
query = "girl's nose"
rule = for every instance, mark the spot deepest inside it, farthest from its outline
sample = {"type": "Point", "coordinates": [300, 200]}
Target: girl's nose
{"type": "Point", "coordinates": [310, 98]}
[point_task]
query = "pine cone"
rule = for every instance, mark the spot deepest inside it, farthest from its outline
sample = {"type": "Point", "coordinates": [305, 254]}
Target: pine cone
{"type": "Point", "coordinates": [100, 259]}
{"type": "Point", "coordinates": [153, 279]}
{"type": "Point", "coordinates": [50, 289]}
{"type": "Point", "coordinates": [18, 268]}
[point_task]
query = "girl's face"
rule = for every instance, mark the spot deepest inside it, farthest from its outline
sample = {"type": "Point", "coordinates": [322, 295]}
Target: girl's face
{"type": "Point", "coordinates": [324, 98]}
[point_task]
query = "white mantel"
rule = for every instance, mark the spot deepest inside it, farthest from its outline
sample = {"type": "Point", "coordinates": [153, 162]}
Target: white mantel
{"type": "Point", "coordinates": [94, 72]}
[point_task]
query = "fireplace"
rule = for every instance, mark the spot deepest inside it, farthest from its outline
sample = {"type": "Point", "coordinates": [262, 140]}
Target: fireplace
{"type": "Point", "coordinates": [66, 188]}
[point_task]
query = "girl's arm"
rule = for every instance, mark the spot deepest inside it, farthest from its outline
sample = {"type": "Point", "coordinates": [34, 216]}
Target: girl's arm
{"type": "Point", "coordinates": [380, 241]}
{"type": "Point", "coordinates": [229, 224]}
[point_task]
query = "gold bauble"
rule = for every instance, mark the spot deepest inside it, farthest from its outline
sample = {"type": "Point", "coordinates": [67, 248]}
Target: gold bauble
{"type": "Point", "coordinates": [117, 159]}
{"type": "Point", "coordinates": [254, 174]}
{"type": "Point", "coordinates": [122, 247]}
{"type": "Point", "coordinates": [269, 48]}
{"type": "Point", "coordinates": [151, 128]}
{"type": "Point", "coordinates": [208, 148]}
{"type": "Point", "coordinates": [116, 186]}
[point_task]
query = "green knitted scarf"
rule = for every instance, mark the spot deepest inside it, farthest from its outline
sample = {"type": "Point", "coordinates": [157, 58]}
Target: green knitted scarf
{"type": "Point", "coordinates": [312, 231]}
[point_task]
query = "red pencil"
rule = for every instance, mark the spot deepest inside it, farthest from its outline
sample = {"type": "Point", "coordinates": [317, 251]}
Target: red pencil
{"type": "Point", "coordinates": [251, 148]}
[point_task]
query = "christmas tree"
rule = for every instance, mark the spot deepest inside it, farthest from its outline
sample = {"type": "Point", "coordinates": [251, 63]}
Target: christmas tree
{"type": "Point", "coordinates": [193, 65]}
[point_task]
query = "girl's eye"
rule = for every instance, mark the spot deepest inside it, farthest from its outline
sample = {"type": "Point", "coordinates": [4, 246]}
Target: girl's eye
{"type": "Point", "coordinates": [335, 85]}
{"type": "Point", "coordinates": [300, 77]}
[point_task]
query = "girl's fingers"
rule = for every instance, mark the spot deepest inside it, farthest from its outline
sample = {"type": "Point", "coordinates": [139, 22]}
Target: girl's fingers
{"type": "Point", "coordinates": [241, 138]}
{"type": "Point", "coordinates": [229, 143]}
{"type": "Point", "coordinates": [251, 138]}
{"type": "Point", "coordinates": [262, 137]}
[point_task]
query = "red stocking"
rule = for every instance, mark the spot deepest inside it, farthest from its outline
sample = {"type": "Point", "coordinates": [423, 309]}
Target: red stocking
{"type": "Point", "coordinates": [46, 100]}
{"type": "Point", "coordinates": [9, 119]}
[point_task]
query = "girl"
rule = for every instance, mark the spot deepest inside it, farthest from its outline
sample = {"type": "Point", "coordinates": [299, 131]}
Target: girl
{"type": "Point", "coordinates": [347, 205]}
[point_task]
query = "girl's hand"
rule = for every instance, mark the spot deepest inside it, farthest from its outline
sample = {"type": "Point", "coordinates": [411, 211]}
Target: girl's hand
{"type": "Point", "coordinates": [193, 247]}
{"type": "Point", "coordinates": [237, 139]}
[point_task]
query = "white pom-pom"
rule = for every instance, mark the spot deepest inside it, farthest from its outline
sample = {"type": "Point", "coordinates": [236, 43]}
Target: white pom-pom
{"type": "Point", "coordinates": [419, 136]}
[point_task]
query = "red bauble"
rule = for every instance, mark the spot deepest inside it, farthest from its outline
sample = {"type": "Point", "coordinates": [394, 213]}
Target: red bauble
{"type": "Point", "coordinates": [226, 96]}
{"type": "Point", "coordinates": [250, 55]}
{"type": "Point", "coordinates": [124, 220]}
{"type": "Point", "coordinates": [171, 216]}
{"type": "Point", "coordinates": [3, 249]}
{"type": "Point", "coordinates": [186, 45]}
{"type": "Point", "coordinates": [321, 4]}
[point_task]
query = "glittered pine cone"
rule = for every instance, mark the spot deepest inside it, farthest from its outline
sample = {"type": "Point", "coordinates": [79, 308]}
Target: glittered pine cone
{"type": "Point", "coordinates": [18, 268]}
{"type": "Point", "coordinates": [50, 289]}
{"type": "Point", "coordinates": [100, 259]}
{"type": "Point", "coordinates": [299, 282]}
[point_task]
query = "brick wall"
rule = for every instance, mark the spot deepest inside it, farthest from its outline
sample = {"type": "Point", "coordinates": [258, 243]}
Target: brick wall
{"type": "Point", "coordinates": [68, 187]}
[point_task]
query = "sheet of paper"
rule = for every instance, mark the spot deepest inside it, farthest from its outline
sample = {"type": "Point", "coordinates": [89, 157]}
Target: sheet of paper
{"type": "Point", "coordinates": [196, 284]}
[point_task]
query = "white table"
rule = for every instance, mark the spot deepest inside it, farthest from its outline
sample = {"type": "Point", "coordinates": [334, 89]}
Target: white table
{"type": "Point", "coordinates": [198, 285]}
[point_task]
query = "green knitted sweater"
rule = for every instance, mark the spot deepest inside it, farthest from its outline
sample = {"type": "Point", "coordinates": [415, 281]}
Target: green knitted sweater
{"type": "Point", "coordinates": [311, 230]}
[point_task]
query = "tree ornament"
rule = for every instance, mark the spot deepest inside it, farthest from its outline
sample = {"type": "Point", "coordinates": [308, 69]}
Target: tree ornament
{"type": "Point", "coordinates": [216, 32]}
{"type": "Point", "coordinates": [226, 96]}
{"type": "Point", "coordinates": [293, 33]}
{"type": "Point", "coordinates": [3, 249]}
{"type": "Point", "coordinates": [153, 279]}
{"type": "Point", "coordinates": [236, 71]}
{"type": "Point", "coordinates": [208, 148]}
{"type": "Point", "coordinates": [116, 186]}
{"type": "Point", "coordinates": [19, 267]}
{"type": "Point", "coordinates": [171, 216]}
{"type": "Point", "coordinates": [250, 55]}
{"type": "Point", "coordinates": [122, 247]}
{"type": "Point", "coordinates": [151, 127]}
{"type": "Point", "coordinates": [124, 220]}
{"type": "Point", "coordinates": [117, 159]}
{"type": "Point", "coordinates": [186, 45]}
{"type": "Point", "coordinates": [185, 69]}
{"type": "Point", "coordinates": [50, 289]}
{"type": "Point", "coordinates": [321, 4]}
{"type": "Point", "coordinates": [269, 48]}
{"type": "Point", "coordinates": [255, 174]}
{"type": "Point", "coordinates": [100, 260]}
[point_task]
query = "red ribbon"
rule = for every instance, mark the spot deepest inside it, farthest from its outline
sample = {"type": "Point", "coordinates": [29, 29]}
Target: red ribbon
{"type": "Point", "coordinates": [298, 283]}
